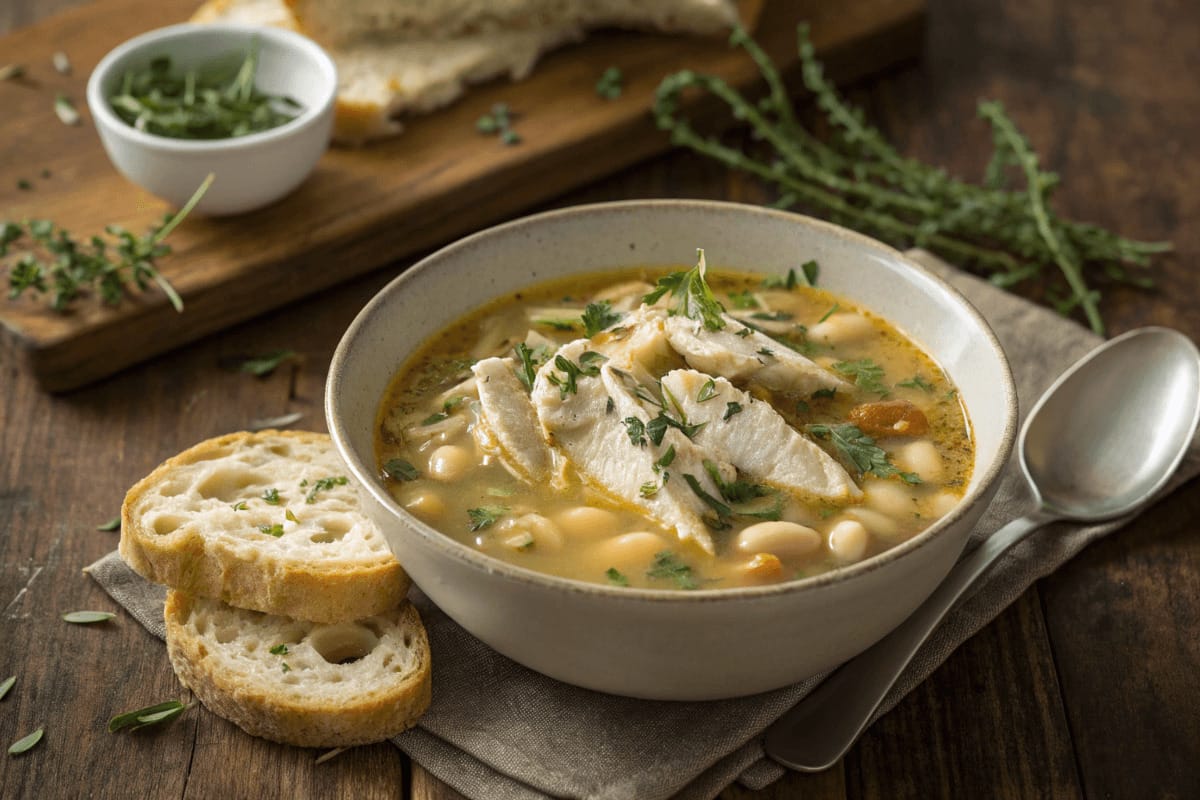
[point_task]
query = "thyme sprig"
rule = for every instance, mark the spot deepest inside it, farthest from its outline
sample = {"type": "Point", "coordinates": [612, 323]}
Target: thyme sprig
{"type": "Point", "coordinates": [55, 263]}
{"type": "Point", "coordinates": [858, 179]}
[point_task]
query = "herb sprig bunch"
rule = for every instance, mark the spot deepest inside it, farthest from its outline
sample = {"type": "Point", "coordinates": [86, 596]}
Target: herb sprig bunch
{"type": "Point", "coordinates": [56, 263]}
{"type": "Point", "coordinates": [858, 179]}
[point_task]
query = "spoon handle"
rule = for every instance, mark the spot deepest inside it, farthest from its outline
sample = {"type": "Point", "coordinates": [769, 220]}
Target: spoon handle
{"type": "Point", "coordinates": [818, 730]}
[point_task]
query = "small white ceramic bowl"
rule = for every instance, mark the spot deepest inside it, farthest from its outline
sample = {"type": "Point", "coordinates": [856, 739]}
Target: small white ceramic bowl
{"type": "Point", "coordinates": [661, 644]}
{"type": "Point", "coordinates": [251, 171]}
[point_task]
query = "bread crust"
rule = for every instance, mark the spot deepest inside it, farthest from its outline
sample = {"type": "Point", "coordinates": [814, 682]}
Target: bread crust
{"type": "Point", "coordinates": [202, 562]}
{"type": "Point", "coordinates": [259, 703]}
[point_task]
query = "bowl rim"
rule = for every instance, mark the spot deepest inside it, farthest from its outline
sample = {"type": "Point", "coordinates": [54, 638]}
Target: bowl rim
{"type": "Point", "coordinates": [291, 40]}
{"type": "Point", "coordinates": [366, 475]}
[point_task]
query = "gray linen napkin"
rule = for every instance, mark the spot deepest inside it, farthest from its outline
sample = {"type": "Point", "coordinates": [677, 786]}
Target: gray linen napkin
{"type": "Point", "coordinates": [498, 730]}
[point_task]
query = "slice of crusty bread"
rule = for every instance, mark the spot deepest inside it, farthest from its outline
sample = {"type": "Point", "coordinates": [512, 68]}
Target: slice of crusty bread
{"type": "Point", "coordinates": [380, 79]}
{"type": "Point", "coordinates": [193, 524]}
{"type": "Point", "coordinates": [340, 22]}
{"type": "Point", "coordinates": [297, 682]}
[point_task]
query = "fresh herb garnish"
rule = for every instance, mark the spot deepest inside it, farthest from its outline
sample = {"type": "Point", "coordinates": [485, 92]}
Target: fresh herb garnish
{"type": "Point", "coordinates": [765, 351]}
{"type": "Point", "coordinates": [263, 365]}
{"type": "Point", "coordinates": [737, 491]}
{"type": "Point", "coordinates": [820, 394]}
{"type": "Point", "coordinates": [724, 512]}
{"type": "Point", "coordinates": [485, 516]}
{"type": "Point", "coordinates": [279, 650]}
{"type": "Point", "coordinates": [609, 406]}
{"type": "Point", "coordinates": [25, 743]}
{"type": "Point", "coordinates": [217, 100]}
{"type": "Point", "coordinates": [150, 715]}
{"type": "Point", "coordinates": [8, 684]}
{"type": "Point", "coordinates": [857, 177]}
{"type": "Point", "coordinates": [283, 667]}
{"type": "Point", "coordinates": [87, 617]}
{"type": "Point", "coordinates": [731, 408]}
{"type": "Point", "coordinates": [65, 110]}
{"type": "Point", "coordinates": [271, 497]}
{"type": "Point", "coordinates": [275, 530]}
{"type": "Point", "coordinates": [598, 316]}
{"type": "Point", "coordinates": [435, 418]}
{"type": "Point", "coordinates": [802, 407]}
{"type": "Point", "coordinates": [656, 428]}
{"type": "Point", "coordinates": [833, 309]}
{"type": "Point", "coordinates": [743, 299]}
{"type": "Point", "coordinates": [668, 566]}
{"type": "Point", "coordinates": [665, 460]}
{"type": "Point", "coordinates": [615, 577]}
{"type": "Point", "coordinates": [636, 430]}
{"type": "Point", "coordinates": [707, 392]}
{"type": "Point", "coordinates": [648, 489]}
{"type": "Point", "coordinates": [528, 364]}
{"type": "Point", "coordinates": [324, 485]}
{"type": "Point", "coordinates": [807, 276]}
{"type": "Point", "coordinates": [24, 185]}
{"type": "Point", "coordinates": [499, 123]}
{"type": "Point", "coordinates": [281, 421]}
{"type": "Point", "coordinates": [113, 524]}
{"type": "Point", "coordinates": [240, 505]}
{"type": "Point", "coordinates": [289, 516]}
{"type": "Point", "coordinates": [694, 299]}
{"type": "Point", "coordinates": [917, 382]}
{"type": "Point", "coordinates": [567, 383]}
{"type": "Point", "coordinates": [744, 332]}
{"type": "Point", "coordinates": [867, 375]}
{"type": "Point", "coordinates": [860, 450]}
{"type": "Point", "coordinates": [610, 84]}
{"type": "Point", "coordinates": [776, 316]}
{"type": "Point", "coordinates": [73, 268]}
{"type": "Point", "coordinates": [400, 470]}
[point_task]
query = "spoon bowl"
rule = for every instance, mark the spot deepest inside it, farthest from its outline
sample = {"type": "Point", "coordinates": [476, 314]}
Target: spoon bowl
{"type": "Point", "coordinates": [1102, 441]}
{"type": "Point", "coordinates": [1105, 437]}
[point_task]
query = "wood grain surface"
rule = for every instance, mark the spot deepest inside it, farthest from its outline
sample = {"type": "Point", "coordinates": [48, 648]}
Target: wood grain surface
{"type": "Point", "coordinates": [1086, 687]}
{"type": "Point", "coordinates": [362, 207]}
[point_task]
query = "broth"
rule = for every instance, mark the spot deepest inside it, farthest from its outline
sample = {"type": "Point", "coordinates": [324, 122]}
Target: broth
{"type": "Point", "coordinates": [885, 409]}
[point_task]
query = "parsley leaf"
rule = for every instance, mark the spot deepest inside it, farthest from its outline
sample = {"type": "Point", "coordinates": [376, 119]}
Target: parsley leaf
{"type": "Point", "coordinates": [668, 566]}
{"type": "Point", "coordinates": [743, 299]}
{"type": "Point", "coordinates": [665, 460]}
{"type": "Point", "coordinates": [598, 316]}
{"type": "Point", "coordinates": [636, 430]}
{"type": "Point", "coordinates": [264, 365]}
{"type": "Point", "coordinates": [656, 428]}
{"type": "Point", "coordinates": [271, 496]}
{"type": "Point", "coordinates": [860, 450]}
{"type": "Point", "coordinates": [324, 485]}
{"type": "Point", "coordinates": [275, 530]}
{"type": "Point", "coordinates": [150, 715]}
{"type": "Point", "coordinates": [567, 383]}
{"type": "Point", "coordinates": [616, 577]}
{"type": "Point", "coordinates": [730, 410]}
{"type": "Point", "coordinates": [435, 418]}
{"type": "Point", "coordinates": [832, 310]}
{"type": "Point", "coordinates": [823, 393]}
{"type": "Point", "coordinates": [485, 516]}
{"type": "Point", "coordinates": [694, 299]}
{"type": "Point", "coordinates": [917, 382]}
{"type": "Point", "coordinates": [609, 85]}
{"type": "Point", "coordinates": [400, 470]}
{"type": "Point", "coordinates": [867, 375]}
{"type": "Point", "coordinates": [279, 650]}
{"type": "Point", "coordinates": [707, 392]}
{"type": "Point", "coordinates": [113, 524]}
{"type": "Point", "coordinates": [529, 364]}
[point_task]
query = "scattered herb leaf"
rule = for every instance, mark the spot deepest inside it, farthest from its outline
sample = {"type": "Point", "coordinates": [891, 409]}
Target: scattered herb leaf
{"type": "Point", "coordinates": [435, 418]}
{"type": "Point", "coordinates": [598, 316]}
{"type": "Point", "coordinates": [833, 309]}
{"type": "Point", "coordinates": [636, 430]}
{"type": "Point", "coordinates": [24, 185]}
{"type": "Point", "coordinates": [279, 650]}
{"type": "Point", "coordinates": [150, 715]}
{"type": "Point", "coordinates": [776, 316]}
{"type": "Point", "coordinates": [10, 71]}
{"type": "Point", "coordinates": [528, 365]}
{"type": "Point", "coordinates": [275, 530]}
{"type": "Point", "coordinates": [240, 505]}
{"type": "Point", "coordinates": [87, 617]}
{"type": "Point", "coordinates": [271, 496]}
{"type": "Point", "coordinates": [668, 566]}
{"type": "Point", "coordinates": [917, 382]}
{"type": "Point", "coordinates": [743, 299]}
{"type": "Point", "coordinates": [707, 392]}
{"type": "Point", "coordinates": [324, 485]}
{"type": "Point", "coordinates": [731, 409]}
{"type": "Point", "coordinates": [25, 743]}
{"type": "Point", "coordinates": [694, 299]}
{"type": "Point", "coordinates": [113, 524]}
{"type": "Point", "coordinates": [290, 517]}
{"type": "Point", "coordinates": [867, 375]}
{"type": "Point", "coordinates": [485, 516]}
{"type": "Point", "coordinates": [665, 460]}
{"type": "Point", "coordinates": [400, 470]}
{"type": "Point", "coordinates": [616, 577]}
{"type": "Point", "coordinates": [263, 365]}
{"type": "Point", "coordinates": [8, 684]}
{"type": "Point", "coordinates": [499, 123]}
{"type": "Point", "coordinates": [860, 450]}
{"type": "Point", "coordinates": [821, 394]}
{"type": "Point", "coordinates": [610, 84]}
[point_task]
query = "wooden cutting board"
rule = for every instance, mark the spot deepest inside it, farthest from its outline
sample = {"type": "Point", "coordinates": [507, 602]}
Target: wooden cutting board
{"type": "Point", "coordinates": [361, 208]}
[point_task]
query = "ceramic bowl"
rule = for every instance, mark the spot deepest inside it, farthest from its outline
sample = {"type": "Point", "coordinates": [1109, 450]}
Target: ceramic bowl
{"type": "Point", "coordinates": [662, 644]}
{"type": "Point", "coordinates": [251, 171]}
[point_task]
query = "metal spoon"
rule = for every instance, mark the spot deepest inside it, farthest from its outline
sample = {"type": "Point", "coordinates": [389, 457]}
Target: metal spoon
{"type": "Point", "coordinates": [1099, 444]}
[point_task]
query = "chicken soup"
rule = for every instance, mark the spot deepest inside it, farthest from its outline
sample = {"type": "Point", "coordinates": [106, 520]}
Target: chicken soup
{"type": "Point", "coordinates": [698, 429]}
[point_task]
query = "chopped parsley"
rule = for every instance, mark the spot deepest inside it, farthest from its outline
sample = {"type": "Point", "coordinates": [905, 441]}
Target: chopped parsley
{"type": "Point", "coordinates": [820, 394]}
{"type": "Point", "coordinates": [867, 375]}
{"type": "Point", "coordinates": [150, 715]}
{"type": "Point", "coordinates": [529, 364]}
{"type": "Point", "coordinates": [774, 316]}
{"type": "Point", "coordinates": [435, 418]}
{"type": "Point", "coordinates": [707, 392]}
{"type": "Point", "coordinates": [113, 524]}
{"type": "Point", "coordinates": [743, 299]}
{"type": "Point", "coordinates": [656, 428]}
{"type": "Point", "coordinates": [744, 332]}
{"type": "Point", "coordinates": [731, 409]}
{"type": "Point", "coordinates": [667, 566]}
{"type": "Point", "coordinates": [766, 351]}
{"type": "Point", "coordinates": [665, 460]}
{"type": "Point", "coordinates": [832, 310]}
{"type": "Point", "coordinates": [860, 450]}
{"type": "Point", "coordinates": [694, 299]}
{"type": "Point", "coordinates": [917, 382]}
{"type": "Point", "coordinates": [598, 316]}
{"type": "Point", "coordinates": [499, 123]}
{"type": "Point", "coordinates": [240, 505]}
{"type": "Point", "coordinates": [271, 497]}
{"type": "Point", "coordinates": [636, 430]}
{"type": "Point", "coordinates": [616, 577]}
{"type": "Point", "coordinates": [567, 382]}
{"type": "Point", "coordinates": [400, 470]}
{"type": "Point", "coordinates": [609, 406]}
{"type": "Point", "coordinates": [609, 86]}
{"type": "Point", "coordinates": [289, 516]}
{"type": "Point", "coordinates": [737, 491]}
{"type": "Point", "coordinates": [485, 516]}
{"type": "Point", "coordinates": [275, 530]}
{"type": "Point", "coordinates": [324, 485]}
{"type": "Point", "coordinates": [279, 650]}
{"type": "Point", "coordinates": [264, 365]}
{"type": "Point", "coordinates": [807, 276]}
{"type": "Point", "coordinates": [803, 408]}
{"type": "Point", "coordinates": [648, 489]}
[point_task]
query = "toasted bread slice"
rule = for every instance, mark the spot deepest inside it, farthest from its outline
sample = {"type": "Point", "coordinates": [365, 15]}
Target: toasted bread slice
{"type": "Point", "coordinates": [337, 23]}
{"type": "Point", "coordinates": [266, 521]}
{"type": "Point", "coordinates": [381, 78]}
{"type": "Point", "coordinates": [301, 683]}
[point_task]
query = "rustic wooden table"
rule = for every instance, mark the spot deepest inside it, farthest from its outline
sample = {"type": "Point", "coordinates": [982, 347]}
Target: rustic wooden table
{"type": "Point", "coordinates": [1085, 686]}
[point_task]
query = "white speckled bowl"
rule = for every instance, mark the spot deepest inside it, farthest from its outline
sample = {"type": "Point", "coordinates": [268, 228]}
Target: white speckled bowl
{"type": "Point", "coordinates": [251, 171]}
{"type": "Point", "coordinates": [665, 644]}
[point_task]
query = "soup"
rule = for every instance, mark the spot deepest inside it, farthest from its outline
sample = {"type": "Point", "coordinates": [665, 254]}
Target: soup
{"type": "Point", "coordinates": [696, 429]}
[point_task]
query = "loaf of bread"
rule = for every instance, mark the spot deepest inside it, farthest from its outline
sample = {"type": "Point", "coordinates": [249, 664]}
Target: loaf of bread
{"type": "Point", "coordinates": [302, 683]}
{"type": "Point", "coordinates": [381, 77]}
{"type": "Point", "coordinates": [337, 23]}
{"type": "Point", "coordinates": [267, 521]}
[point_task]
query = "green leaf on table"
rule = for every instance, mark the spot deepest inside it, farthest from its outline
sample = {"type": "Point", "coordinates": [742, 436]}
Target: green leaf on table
{"type": "Point", "coordinates": [87, 617]}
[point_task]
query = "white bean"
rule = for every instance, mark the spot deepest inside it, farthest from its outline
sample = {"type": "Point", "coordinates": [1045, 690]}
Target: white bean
{"type": "Point", "coordinates": [878, 524]}
{"type": "Point", "coordinates": [587, 522]}
{"type": "Point", "coordinates": [449, 462]}
{"type": "Point", "coordinates": [630, 553]}
{"type": "Point", "coordinates": [841, 328]}
{"type": "Point", "coordinates": [890, 496]}
{"type": "Point", "coordinates": [942, 504]}
{"type": "Point", "coordinates": [425, 504]}
{"type": "Point", "coordinates": [529, 531]}
{"type": "Point", "coordinates": [848, 541]}
{"type": "Point", "coordinates": [920, 457]}
{"type": "Point", "coordinates": [784, 539]}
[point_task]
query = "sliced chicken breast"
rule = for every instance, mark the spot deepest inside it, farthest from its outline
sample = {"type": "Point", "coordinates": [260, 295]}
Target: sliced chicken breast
{"type": "Point", "coordinates": [509, 418]}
